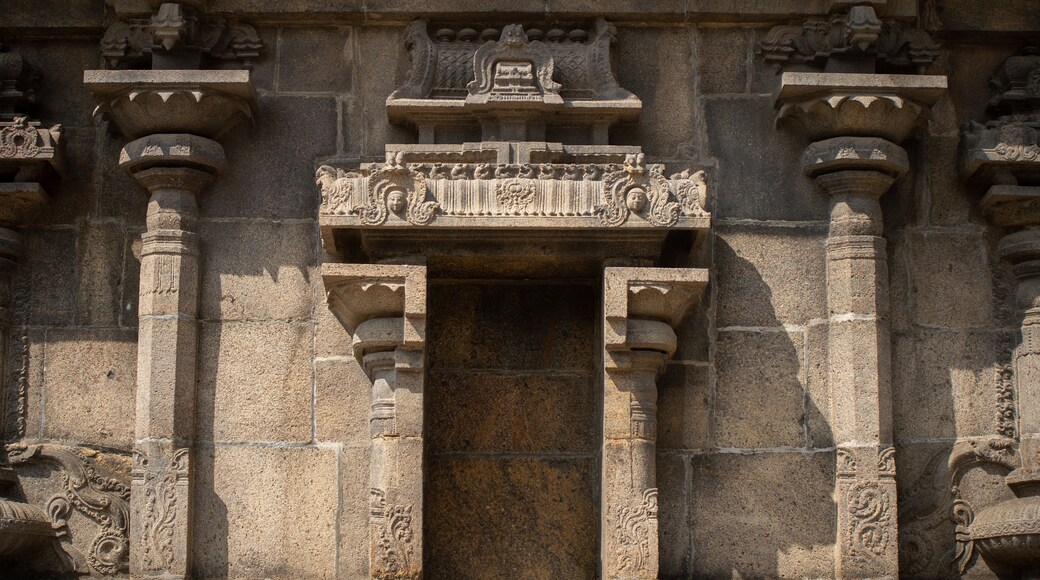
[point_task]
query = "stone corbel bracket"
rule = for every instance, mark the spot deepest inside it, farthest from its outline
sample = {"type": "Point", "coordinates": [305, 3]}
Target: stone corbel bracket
{"type": "Point", "coordinates": [198, 102]}
{"type": "Point", "coordinates": [630, 295]}
{"type": "Point", "coordinates": [826, 105]}
{"type": "Point", "coordinates": [358, 293]}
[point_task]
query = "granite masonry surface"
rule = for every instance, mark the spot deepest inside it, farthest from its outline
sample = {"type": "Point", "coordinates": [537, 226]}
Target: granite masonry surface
{"type": "Point", "coordinates": [260, 410]}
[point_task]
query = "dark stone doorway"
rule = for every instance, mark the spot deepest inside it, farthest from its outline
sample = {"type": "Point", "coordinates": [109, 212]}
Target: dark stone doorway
{"type": "Point", "coordinates": [512, 429]}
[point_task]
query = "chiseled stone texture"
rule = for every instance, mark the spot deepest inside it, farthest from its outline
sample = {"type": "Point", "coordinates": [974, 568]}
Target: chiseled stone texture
{"type": "Point", "coordinates": [763, 515]}
{"type": "Point", "coordinates": [769, 276]}
{"type": "Point", "coordinates": [265, 512]}
{"type": "Point", "coordinates": [257, 270]}
{"type": "Point", "coordinates": [89, 379]}
{"type": "Point", "coordinates": [760, 400]}
{"type": "Point", "coordinates": [254, 382]}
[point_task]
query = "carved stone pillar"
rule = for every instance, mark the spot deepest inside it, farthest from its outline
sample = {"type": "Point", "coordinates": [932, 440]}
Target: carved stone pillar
{"type": "Point", "coordinates": [384, 307]}
{"type": "Point", "coordinates": [173, 117]}
{"type": "Point", "coordinates": [857, 119]}
{"type": "Point", "coordinates": [641, 308]}
{"type": "Point", "coordinates": [1003, 157]}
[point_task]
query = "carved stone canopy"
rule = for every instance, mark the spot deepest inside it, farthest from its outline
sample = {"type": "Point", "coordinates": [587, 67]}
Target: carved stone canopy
{"type": "Point", "coordinates": [511, 81]}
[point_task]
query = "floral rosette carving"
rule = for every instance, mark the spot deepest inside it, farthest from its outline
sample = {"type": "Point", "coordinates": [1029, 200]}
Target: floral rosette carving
{"type": "Point", "coordinates": [634, 189]}
{"type": "Point", "coordinates": [515, 195]}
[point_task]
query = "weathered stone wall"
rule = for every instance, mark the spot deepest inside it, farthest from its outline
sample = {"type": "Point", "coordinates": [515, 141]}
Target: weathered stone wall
{"type": "Point", "coordinates": [746, 457]}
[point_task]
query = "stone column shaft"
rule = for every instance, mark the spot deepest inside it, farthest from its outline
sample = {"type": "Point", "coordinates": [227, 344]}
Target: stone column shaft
{"type": "Point", "coordinates": [384, 307]}
{"type": "Point", "coordinates": [161, 499]}
{"type": "Point", "coordinates": [641, 307]}
{"type": "Point", "coordinates": [860, 375]}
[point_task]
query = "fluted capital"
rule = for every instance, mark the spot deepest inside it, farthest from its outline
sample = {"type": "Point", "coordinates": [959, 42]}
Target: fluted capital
{"type": "Point", "coordinates": [825, 105]}
{"type": "Point", "coordinates": [208, 103]}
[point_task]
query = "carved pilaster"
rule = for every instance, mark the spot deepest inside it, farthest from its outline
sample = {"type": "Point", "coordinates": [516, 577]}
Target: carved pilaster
{"type": "Point", "coordinates": [857, 120]}
{"type": "Point", "coordinates": [641, 308]}
{"type": "Point", "coordinates": [173, 117]}
{"type": "Point", "coordinates": [384, 307]}
{"type": "Point", "coordinates": [1001, 157]}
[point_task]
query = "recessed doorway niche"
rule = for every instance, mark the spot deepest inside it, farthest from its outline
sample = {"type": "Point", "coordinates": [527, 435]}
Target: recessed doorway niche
{"type": "Point", "coordinates": [513, 301]}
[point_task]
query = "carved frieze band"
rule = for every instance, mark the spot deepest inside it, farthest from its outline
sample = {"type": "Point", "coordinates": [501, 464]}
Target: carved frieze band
{"type": "Point", "coordinates": [608, 194]}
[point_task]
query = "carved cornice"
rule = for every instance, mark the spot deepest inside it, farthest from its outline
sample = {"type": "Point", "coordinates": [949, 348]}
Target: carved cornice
{"type": "Point", "coordinates": [178, 36]}
{"type": "Point", "coordinates": [631, 194]}
{"type": "Point", "coordinates": [856, 35]}
{"type": "Point", "coordinates": [205, 103]}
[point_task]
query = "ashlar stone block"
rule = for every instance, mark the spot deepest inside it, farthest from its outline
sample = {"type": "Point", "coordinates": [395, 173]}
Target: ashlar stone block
{"type": "Point", "coordinates": [254, 381]}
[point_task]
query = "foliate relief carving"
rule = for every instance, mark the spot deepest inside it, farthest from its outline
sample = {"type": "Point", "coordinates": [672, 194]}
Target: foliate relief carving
{"type": "Point", "coordinates": [514, 195]}
{"type": "Point", "coordinates": [1005, 386]}
{"type": "Point", "coordinates": [159, 478]}
{"type": "Point", "coordinates": [17, 385]}
{"type": "Point", "coordinates": [858, 32]}
{"type": "Point", "coordinates": [846, 463]}
{"type": "Point", "coordinates": [886, 464]}
{"type": "Point", "coordinates": [869, 533]}
{"type": "Point", "coordinates": [934, 501]}
{"type": "Point", "coordinates": [102, 498]}
{"type": "Point", "coordinates": [24, 139]}
{"type": "Point", "coordinates": [128, 44]}
{"type": "Point", "coordinates": [634, 526]}
{"type": "Point", "coordinates": [606, 193]}
{"type": "Point", "coordinates": [392, 535]}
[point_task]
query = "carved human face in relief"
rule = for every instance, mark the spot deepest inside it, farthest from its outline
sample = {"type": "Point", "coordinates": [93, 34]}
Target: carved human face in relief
{"type": "Point", "coordinates": [636, 199]}
{"type": "Point", "coordinates": [395, 201]}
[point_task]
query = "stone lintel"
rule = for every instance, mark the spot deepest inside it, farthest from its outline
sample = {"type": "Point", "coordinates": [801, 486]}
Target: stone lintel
{"type": "Point", "coordinates": [825, 105]}
{"type": "Point", "coordinates": [207, 103]}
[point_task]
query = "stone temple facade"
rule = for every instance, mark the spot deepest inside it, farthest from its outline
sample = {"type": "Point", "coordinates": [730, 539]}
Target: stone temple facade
{"type": "Point", "coordinates": [531, 289]}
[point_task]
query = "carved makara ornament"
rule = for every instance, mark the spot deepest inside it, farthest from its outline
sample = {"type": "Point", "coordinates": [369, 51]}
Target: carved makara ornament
{"type": "Point", "coordinates": [101, 496]}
